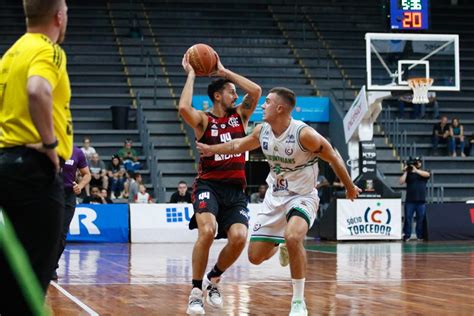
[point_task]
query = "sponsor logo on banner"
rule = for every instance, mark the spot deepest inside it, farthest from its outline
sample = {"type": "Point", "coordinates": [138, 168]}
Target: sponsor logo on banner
{"type": "Point", "coordinates": [169, 222]}
{"type": "Point", "coordinates": [178, 214]}
{"type": "Point", "coordinates": [355, 114]}
{"type": "Point", "coordinates": [368, 219]}
{"type": "Point", "coordinates": [375, 221]}
{"type": "Point", "coordinates": [369, 155]}
{"type": "Point", "coordinates": [86, 217]}
{"type": "Point", "coordinates": [99, 223]}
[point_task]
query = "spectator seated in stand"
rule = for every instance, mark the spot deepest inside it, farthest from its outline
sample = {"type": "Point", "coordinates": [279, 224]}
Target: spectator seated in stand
{"type": "Point", "coordinates": [87, 149]}
{"type": "Point", "coordinates": [456, 133]}
{"type": "Point", "coordinates": [440, 134]}
{"type": "Point", "coordinates": [105, 197]}
{"type": "Point", "coordinates": [419, 110]}
{"type": "Point", "coordinates": [258, 196]}
{"type": "Point", "coordinates": [116, 177]}
{"type": "Point", "coordinates": [95, 197]}
{"type": "Point", "coordinates": [129, 156]}
{"type": "Point", "coordinates": [142, 195]}
{"type": "Point", "coordinates": [131, 188]}
{"type": "Point", "coordinates": [98, 173]}
{"type": "Point", "coordinates": [181, 195]}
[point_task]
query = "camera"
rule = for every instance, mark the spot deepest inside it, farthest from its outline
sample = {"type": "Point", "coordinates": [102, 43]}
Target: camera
{"type": "Point", "coordinates": [411, 162]}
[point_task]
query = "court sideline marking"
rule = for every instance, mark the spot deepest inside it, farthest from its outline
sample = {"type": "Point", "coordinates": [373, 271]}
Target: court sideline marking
{"type": "Point", "coordinates": [164, 282]}
{"type": "Point", "coordinates": [86, 308]}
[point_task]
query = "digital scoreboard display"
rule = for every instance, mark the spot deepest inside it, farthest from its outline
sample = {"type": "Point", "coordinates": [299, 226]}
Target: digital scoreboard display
{"type": "Point", "coordinates": [409, 14]}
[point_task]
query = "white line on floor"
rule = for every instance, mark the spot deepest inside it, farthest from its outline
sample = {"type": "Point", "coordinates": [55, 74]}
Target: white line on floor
{"type": "Point", "coordinates": [89, 310]}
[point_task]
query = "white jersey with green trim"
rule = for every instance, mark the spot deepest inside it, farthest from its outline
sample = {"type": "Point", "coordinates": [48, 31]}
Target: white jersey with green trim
{"type": "Point", "coordinates": [293, 169]}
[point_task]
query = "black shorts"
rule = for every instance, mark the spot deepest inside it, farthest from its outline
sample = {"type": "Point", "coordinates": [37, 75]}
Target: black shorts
{"type": "Point", "coordinates": [227, 202]}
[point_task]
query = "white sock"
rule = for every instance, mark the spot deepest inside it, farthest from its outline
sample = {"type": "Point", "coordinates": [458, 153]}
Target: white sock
{"type": "Point", "coordinates": [298, 289]}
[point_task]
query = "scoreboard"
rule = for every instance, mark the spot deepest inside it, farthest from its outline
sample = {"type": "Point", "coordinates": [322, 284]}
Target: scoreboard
{"type": "Point", "coordinates": [409, 14]}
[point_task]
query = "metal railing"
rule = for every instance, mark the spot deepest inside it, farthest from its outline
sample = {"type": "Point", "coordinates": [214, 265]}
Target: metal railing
{"type": "Point", "coordinates": [149, 150]}
{"type": "Point", "coordinates": [435, 193]}
{"type": "Point", "coordinates": [150, 68]}
{"type": "Point", "coordinates": [391, 126]}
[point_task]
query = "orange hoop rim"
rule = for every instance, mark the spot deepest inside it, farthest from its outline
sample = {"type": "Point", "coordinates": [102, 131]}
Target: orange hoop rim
{"type": "Point", "coordinates": [421, 80]}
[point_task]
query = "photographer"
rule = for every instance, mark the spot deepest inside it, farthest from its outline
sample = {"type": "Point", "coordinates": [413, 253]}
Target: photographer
{"type": "Point", "coordinates": [415, 199]}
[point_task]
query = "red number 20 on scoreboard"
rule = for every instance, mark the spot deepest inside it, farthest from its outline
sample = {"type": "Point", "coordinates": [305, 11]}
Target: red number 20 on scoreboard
{"type": "Point", "coordinates": [412, 19]}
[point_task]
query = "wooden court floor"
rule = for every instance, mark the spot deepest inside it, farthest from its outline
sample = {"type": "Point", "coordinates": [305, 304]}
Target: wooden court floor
{"type": "Point", "coordinates": [345, 278]}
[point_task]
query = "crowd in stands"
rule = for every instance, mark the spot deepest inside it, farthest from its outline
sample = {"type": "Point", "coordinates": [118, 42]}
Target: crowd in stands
{"type": "Point", "coordinates": [119, 180]}
{"type": "Point", "coordinates": [452, 136]}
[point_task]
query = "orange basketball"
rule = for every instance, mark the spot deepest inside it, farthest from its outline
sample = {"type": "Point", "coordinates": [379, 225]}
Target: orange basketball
{"type": "Point", "coordinates": [203, 59]}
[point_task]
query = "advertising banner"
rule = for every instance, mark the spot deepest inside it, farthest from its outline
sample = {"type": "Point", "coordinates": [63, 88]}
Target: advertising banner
{"type": "Point", "coordinates": [307, 109]}
{"type": "Point", "coordinates": [368, 159]}
{"type": "Point", "coordinates": [364, 219]}
{"type": "Point", "coordinates": [451, 221]}
{"type": "Point", "coordinates": [99, 223]}
{"type": "Point", "coordinates": [168, 222]}
{"type": "Point", "coordinates": [355, 114]}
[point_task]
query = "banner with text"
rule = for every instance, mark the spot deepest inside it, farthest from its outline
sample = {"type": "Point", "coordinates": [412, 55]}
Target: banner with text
{"type": "Point", "coordinates": [355, 114]}
{"type": "Point", "coordinates": [168, 222]}
{"type": "Point", "coordinates": [369, 219]}
{"type": "Point", "coordinates": [99, 223]}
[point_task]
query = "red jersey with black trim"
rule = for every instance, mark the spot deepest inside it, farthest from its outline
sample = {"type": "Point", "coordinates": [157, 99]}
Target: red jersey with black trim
{"type": "Point", "coordinates": [223, 168]}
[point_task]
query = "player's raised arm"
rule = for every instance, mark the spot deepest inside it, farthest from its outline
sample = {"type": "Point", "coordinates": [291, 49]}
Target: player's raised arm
{"type": "Point", "coordinates": [191, 116]}
{"type": "Point", "coordinates": [253, 90]}
{"type": "Point", "coordinates": [314, 142]}
{"type": "Point", "coordinates": [235, 146]}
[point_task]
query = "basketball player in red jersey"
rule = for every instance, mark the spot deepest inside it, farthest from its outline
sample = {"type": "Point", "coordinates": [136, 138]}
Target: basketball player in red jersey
{"type": "Point", "coordinates": [219, 187]}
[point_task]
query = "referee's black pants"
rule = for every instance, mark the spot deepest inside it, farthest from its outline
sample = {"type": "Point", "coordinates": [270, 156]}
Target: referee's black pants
{"type": "Point", "coordinates": [32, 196]}
{"type": "Point", "coordinates": [69, 209]}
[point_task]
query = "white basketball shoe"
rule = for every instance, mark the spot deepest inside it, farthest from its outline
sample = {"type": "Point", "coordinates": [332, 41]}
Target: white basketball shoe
{"type": "Point", "coordinates": [214, 296]}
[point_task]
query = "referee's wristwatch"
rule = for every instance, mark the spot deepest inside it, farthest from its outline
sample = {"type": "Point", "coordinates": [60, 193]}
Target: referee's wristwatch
{"type": "Point", "coordinates": [52, 145]}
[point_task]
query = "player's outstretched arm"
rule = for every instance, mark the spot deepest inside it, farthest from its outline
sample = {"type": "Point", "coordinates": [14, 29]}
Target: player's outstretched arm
{"type": "Point", "coordinates": [235, 146]}
{"type": "Point", "coordinates": [191, 116]}
{"type": "Point", "coordinates": [314, 142]}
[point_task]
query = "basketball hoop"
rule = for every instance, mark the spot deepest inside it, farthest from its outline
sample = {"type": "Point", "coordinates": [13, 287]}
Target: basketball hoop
{"type": "Point", "coordinates": [420, 87]}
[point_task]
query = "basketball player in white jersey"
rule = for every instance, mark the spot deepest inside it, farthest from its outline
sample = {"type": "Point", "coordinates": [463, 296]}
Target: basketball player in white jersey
{"type": "Point", "coordinates": [292, 149]}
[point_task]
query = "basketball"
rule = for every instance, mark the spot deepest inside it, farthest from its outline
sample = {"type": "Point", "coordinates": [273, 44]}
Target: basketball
{"type": "Point", "coordinates": [203, 59]}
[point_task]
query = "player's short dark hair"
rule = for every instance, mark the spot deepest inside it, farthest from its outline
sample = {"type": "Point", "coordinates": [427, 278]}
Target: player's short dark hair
{"type": "Point", "coordinates": [216, 85]}
{"type": "Point", "coordinates": [38, 12]}
{"type": "Point", "coordinates": [286, 94]}
{"type": "Point", "coordinates": [182, 182]}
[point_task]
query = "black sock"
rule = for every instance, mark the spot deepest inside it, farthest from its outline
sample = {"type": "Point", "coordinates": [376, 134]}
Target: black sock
{"type": "Point", "coordinates": [198, 284]}
{"type": "Point", "coordinates": [215, 272]}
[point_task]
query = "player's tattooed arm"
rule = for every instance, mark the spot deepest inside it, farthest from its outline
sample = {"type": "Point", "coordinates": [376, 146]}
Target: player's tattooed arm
{"type": "Point", "coordinates": [246, 102]}
{"type": "Point", "coordinates": [249, 104]}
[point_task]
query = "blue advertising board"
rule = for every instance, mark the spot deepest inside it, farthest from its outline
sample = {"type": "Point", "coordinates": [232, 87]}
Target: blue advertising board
{"type": "Point", "coordinates": [307, 109]}
{"type": "Point", "coordinates": [100, 223]}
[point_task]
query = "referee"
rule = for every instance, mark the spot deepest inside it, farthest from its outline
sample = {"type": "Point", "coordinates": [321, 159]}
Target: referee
{"type": "Point", "coordinates": [35, 135]}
